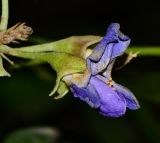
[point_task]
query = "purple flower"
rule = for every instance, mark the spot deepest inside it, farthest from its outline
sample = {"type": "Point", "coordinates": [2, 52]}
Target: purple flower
{"type": "Point", "coordinates": [101, 92]}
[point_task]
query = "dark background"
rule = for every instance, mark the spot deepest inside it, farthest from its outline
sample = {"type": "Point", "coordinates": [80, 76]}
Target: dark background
{"type": "Point", "coordinates": [57, 18]}
{"type": "Point", "coordinates": [24, 100]}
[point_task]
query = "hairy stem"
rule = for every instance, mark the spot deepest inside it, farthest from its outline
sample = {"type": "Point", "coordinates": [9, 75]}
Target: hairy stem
{"type": "Point", "coordinates": [18, 53]}
{"type": "Point", "coordinates": [5, 15]}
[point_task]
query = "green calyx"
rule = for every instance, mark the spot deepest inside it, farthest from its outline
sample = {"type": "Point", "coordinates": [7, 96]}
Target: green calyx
{"type": "Point", "coordinates": [75, 45]}
{"type": "Point", "coordinates": [65, 56]}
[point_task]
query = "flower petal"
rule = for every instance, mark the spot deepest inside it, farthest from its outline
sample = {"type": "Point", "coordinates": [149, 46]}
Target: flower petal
{"type": "Point", "coordinates": [97, 67]}
{"type": "Point", "coordinates": [111, 46]}
{"type": "Point", "coordinates": [121, 41]}
{"type": "Point", "coordinates": [120, 47]}
{"type": "Point", "coordinates": [110, 37]}
{"type": "Point", "coordinates": [131, 100]}
{"type": "Point", "coordinates": [111, 104]}
{"type": "Point", "coordinates": [87, 94]}
{"type": "Point", "coordinates": [107, 73]}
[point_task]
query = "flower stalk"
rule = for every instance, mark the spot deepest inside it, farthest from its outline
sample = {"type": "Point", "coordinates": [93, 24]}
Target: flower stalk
{"type": "Point", "coordinates": [145, 50]}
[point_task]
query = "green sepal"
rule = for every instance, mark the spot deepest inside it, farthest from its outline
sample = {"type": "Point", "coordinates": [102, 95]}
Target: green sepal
{"type": "Point", "coordinates": [3, 72]}
{"type": "Point", "coordinates": [65, 64]}
{"type": "Point", "coordinates": [62, 90]}
{"type": "Point", "coordinates": [55, 88]}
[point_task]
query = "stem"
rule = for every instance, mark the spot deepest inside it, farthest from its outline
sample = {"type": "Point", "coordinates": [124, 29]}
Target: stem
{"type": "Point", "coordinates": [5, 15]}
{"type": "Point", "coordinates": [18, 53]}
{"type": "Point", "coordinates": [145, 51]}
{"type": "Point", "coordinates": [43, 56]}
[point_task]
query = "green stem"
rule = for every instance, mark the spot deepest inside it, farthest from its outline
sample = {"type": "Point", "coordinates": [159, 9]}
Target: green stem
{"type": "Point", "coordinates": [50, 57]}
{"type": "Point", "coordinates": [145, 51]}
{"type": "Point", "coordinates": [18, 53]}
{"type": "Point", "coordinates": [5, 15]}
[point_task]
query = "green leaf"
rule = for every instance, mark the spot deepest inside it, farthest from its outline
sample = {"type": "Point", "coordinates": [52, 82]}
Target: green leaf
{"type": "Point", "coordinates": [3, 72]}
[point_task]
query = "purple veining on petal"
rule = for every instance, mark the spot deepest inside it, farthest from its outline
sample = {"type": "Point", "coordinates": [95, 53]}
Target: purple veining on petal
{"type": "Point", "coordinates": [111, 104]}
{"type": "Point", "coordinates": [111, 46]}
{"type": "Point", "coordinates": [131, 100]}
{"type": "Point", "coordinates": [87, 94]}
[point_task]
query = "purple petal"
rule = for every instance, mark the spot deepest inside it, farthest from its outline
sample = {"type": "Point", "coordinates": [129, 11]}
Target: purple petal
{"type": "Point", "coordinates": [131, 100]}
{"type": "Point", "coordinates": [110, 37]}
{"type": "Point", "coordinates": [97, 67]}
{"type": "Point", "coordinates": [119, 48]}
{"type": "Point", "coordinates": [111, 104]}
{"type": "Point", "coordinates": [112, 45]}
{"type": "Point", "coordinates": [107, 72]}
{"type": "Point", "coordinates": [87, 94]}
{"type": "Point", "coordinates": [122, 41]}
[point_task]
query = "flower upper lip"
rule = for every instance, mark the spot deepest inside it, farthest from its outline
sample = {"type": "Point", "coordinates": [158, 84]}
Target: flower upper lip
{"type": "Point", "coordinates": [111, 46]}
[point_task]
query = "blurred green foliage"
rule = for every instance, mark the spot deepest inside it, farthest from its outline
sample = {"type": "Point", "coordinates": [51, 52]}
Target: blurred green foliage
{"type": "Point", "coordinates": [33, 135]}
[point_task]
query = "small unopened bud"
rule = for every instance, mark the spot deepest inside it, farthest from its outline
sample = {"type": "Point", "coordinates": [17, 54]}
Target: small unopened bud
{"type": "Point", "coordinates": [18, 32]}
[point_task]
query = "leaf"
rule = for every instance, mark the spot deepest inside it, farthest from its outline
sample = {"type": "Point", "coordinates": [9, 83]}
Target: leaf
{"type": "Point", "coordinates": [3, 72]}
